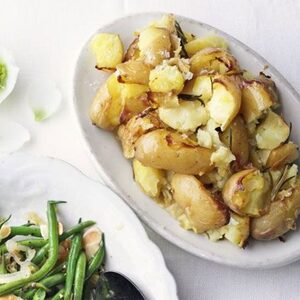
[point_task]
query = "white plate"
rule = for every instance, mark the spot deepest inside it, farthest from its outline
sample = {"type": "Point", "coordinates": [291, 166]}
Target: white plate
{"type": "Point", "coordinates": [27, 182]}
{"type": "Point", "coordinates": [105, 151]}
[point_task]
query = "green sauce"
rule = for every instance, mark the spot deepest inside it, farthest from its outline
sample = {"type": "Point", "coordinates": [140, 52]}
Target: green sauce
{"type": "Point", "coordinates": [3, 76]}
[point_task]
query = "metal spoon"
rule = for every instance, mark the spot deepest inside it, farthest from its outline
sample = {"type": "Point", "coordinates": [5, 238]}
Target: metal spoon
{"type": "Point", "coordinates": [115, 286]}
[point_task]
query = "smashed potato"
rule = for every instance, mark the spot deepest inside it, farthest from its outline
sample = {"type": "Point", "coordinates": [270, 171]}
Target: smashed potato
{"type": "Point", "coordinates": [201, 208]}
{"type": "Point", "coordinates": [163, 149]}
{"type": "Point", "coordinates": [188, 115]}
{"type": "Point", "coordinates": [202, 132]}
{"type": "Point", "coordinates": [150, 180]}
{"type": "Point", "coordinates": [225, 102]}
{"type": "Point", "coordinates": [248, 193]}
{"type": "Point", "coordinates": [108, 49]}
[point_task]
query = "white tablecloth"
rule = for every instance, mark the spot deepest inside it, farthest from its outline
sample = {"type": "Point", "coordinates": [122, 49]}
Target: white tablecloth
{"type": "Point", "coordinates": [45, 37]}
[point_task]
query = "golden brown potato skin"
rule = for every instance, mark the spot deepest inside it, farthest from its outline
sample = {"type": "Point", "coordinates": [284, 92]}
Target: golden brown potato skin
{"type": "Point", "coordinates": [163, 149]}
{"type": "Point", "coordinates": [99, 108]}
{"type": "Point", "coordinates": [238, 198]}
{"type": "Point", "coordinates": [280, 218]}
{"type": "Point", "coordinates": [282, 155]}
{"type": "Point", "coordinates": [204, 211]}
{"type": "Point", "coordinates": [238, 142]}
{"type": "Point", "coordinates": [133, 51]}
{"type": "Point", "coordinates": [133, 72]}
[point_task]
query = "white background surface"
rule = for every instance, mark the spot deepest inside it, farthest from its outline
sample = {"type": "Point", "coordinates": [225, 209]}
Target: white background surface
{"type": "Point", "coordinates": [45, 37]}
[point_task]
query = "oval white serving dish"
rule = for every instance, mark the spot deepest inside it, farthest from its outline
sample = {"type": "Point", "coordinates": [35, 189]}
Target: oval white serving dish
{"type": "Point", "coordinates": [105, 151]}
{"type": "Point", "coordinates": [27, 182]}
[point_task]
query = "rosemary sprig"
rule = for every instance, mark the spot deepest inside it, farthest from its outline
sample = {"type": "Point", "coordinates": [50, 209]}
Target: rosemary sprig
{"type": "Point", "coordinates": [188, 97]}
{"type": "Point", "coordinates": [182, 38]}
{"type": "Point", "coordinates": [3, 221]}
{"type": "Point", "coordinates": [230, 139]}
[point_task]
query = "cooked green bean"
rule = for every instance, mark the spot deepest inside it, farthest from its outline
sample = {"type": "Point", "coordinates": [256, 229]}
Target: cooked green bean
{"type": "Point", "coordinates": [32, 243]}
{"type": "Point", "coordinates": [79, 276]}
{"type": "Point", "coordinates": [96, 261]}
{"type": "Point", "coordinates": [58, 269]}
{"type": "Point", "coordinates": [59, 295]}
{"type": "Point", "coordinates": [48, 282]}
{"type": "Point", "coordinates": [22, 230]}
{"type": "Point", "coordinates": [41, 254]}
{"type": "Point", "coordinates": [2, 265]}
{"type": "Point", "coordinates": [40, 294]}
{"type": "Point", "coordinates": [72, 262]}
{"type": "Point", "coordinates": [51, 260]}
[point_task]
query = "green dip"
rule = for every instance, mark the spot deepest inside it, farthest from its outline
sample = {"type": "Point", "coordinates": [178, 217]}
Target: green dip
{"type": "Point", "coordinates": [3, 75]}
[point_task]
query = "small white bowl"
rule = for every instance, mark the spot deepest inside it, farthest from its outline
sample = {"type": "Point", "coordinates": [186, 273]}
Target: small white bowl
{"type": "Point", "coordinates": [105, 151]}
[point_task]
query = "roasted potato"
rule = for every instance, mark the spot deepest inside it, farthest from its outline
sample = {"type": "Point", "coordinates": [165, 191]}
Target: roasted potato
{"type": "Point", "coordinates": [221, 159]}
{"type": "Point", "coordinates": [201, 208]}
{"type": "Point", "coordinates": [154, 45]}
{"type": "Point", "coordinates": [108, 49]}
{"type": "Point", "coordinates": [135, 128]}
{"type": "Point", "coordinates": [166, 79]}
{"type": "Point", "coordinates": [236, 138]}
{"type": "Point", "coordinates": [200, 86]}
{"type": "Point", "coordinates": [248, 193]}
{"type": "Point", "coordinates": [280, 218]}
{"type": "Point", "coordinates": [163, 149]}
{"type": "Point", "coordinates": [282, 155]}
{"type": "Point", "coordinates": [162, 99]}
{"type": "Point", "coordinates": [272, 132]}
{"type": "Point", "coordinates": [149, 179]}
{"type": "Point", "coordinates": [225, 102]}
{"type": "Point", "coordinates": [211, 41]}
{"type": "Point", "coordinates": [133, 52]}
{"type": "Point", "coordinates": [236, 231]}
{"type": "Point", "coordinates": [213, 59]}
{"type": "Point", "coordinates": [187, 116]}
{"type": "Point", "coordinates": [128, 99]}
{"type": "Point", "coordinates": [100, 107]}
{"type": "Point", "coordinates": [166, 21]}
{"type": "Point", "coordinates": [257, 97]}
{"type": "Point", "coordinates": [133, 72]}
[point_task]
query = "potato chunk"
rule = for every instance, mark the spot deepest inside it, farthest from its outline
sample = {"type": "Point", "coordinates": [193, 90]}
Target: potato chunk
{"type": "Point", "coordinates": [201, 208]}
{"type": "Point", "coordinates": [133, 72]}
{"type": "Point", "coordinates": [282, 155]}
{"type": "Point", "coordinates": [256, 99]}
{"type": "Point", "coordinates": [135, 128]}
{"type": "Point", "coordinates": [163, 149]}
{"type": "Point", "coordinates": [154, 45]}
{"type": "Point", "coordinates": [133, 51]}
{"type": "Point", "coordinates": [280, 219]}
{"type": "Point", "coordinates": [225, 102]}
{"type": "Point", "coordinates": [149, 179]}
{"type": "Point", "coordinates": [165, 79]}
{"type": "Point", "coordinates": [236, 231]}
{"type": "Point", "coordinates": [236, 138]}
{"type": "Point", "coordinates": [248, 193]}
{"type": "Point", "coordinates": [99, 109]}
{"type": "Point", "coordinates": [187, 116]}
{"type": "Point", "coordinates": [211, 41]}
{"type": "Point", "coordinates": [213, 59]}
{"type": "Point", "coordinates": [108, 49]}
{"type": "Point", "coordinates": [200, 86]}
{"type": "Point", "coordinates": [272, 132]}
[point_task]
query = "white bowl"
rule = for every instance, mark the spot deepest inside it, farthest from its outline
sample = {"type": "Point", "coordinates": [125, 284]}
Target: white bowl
{"type": "Point", "coordinates": [27, 182]}
{"type": "Point", "coordinates": [116, 171]}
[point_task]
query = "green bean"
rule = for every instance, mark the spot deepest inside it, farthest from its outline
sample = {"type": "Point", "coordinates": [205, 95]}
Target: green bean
{"type": "Point", "coordinates": [22, 230]}
{"type": "Point", "coordinates": [32, 243]}
{"type": "Point", "coordinates": [58, 269]}
{"type": "Point", "coordinates": [96, 261]}
{"type": "Point", "coordinates": [48, 282]}
{"type": "Point", "coordinates": [51, 260]}
{"type": "Point", "coordinates": [40, 294]}
{"type": "Point", "coordinates": [79, 276]}
{"type": "Point", "coordinates": [40, 256]}
{"type": "Point", "coordinates": [72, 262]}
{"type": "Point", "coordinates": [59, 295]}
{"type": "Point", "coordinates": [2, 265]}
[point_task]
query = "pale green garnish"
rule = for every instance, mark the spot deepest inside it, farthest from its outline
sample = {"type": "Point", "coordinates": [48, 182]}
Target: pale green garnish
{"type": "Point", "coordinates": [39, 115]}
{"type": "Point", "coordinates": [3, 76]}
